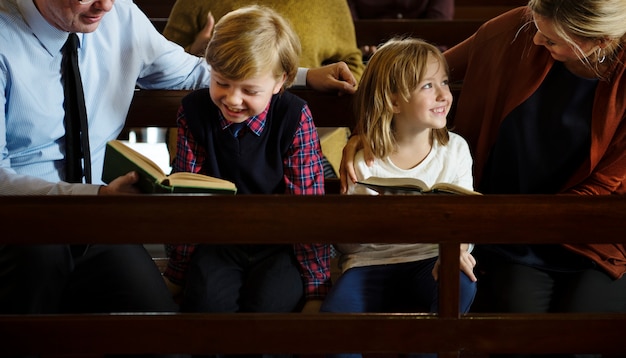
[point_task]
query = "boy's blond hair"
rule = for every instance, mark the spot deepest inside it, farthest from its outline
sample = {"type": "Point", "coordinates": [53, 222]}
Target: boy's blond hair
{"type": "Point", "coordinates": [252, 40]}
{"type": "Point", "coordinates": [396, 68]}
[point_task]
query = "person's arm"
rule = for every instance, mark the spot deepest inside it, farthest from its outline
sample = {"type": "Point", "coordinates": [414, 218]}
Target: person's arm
{"type": "Point", "coordinates": [339, 39]}
{"type": "Point", "coordinates": [314, 261]}
{"type": "Point", "coordinates": [466, 263]}
{"type": "Point", "coordinates": [347, 173]}
{"type": "Point", "coordinates": [186, 22]}
{"type": "Point", "coordinates": [179, 256]}
{"type": "Point", "coordinates": [16, 117]}
{"type": "Point", "coordinates": [334, 77]}
{"type": "Point", "coordinates": [608, 175]}
{"type": "Point", "coordinates": [303, 168]}
{"type": "Point", "coordinates": [123, 185]}
{"type": "Point", "coordinates": [198, 46]}
{"type": "Point", "coordinates": [187, 156]}
{"type": "Point", "coordinates": [12, 183]}
{"type": "Point", "coordinates": [304, 175]}
{"type": "Point", "coordinates": [460, 158]}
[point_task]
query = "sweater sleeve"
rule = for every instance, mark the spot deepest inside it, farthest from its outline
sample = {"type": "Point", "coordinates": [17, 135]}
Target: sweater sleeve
{"type": "Point", "coordinates": [186, 20]}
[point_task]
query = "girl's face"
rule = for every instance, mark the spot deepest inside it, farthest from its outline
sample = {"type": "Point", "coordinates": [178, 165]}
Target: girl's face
{"type": "Point", "coordinates": [559, 48]}
{"type": "Point", "coordinates": [74, 15]}
{"type": "Point", "coordinates": [239, 100]}
{"type": "Point", "coordinates": [429, 103]}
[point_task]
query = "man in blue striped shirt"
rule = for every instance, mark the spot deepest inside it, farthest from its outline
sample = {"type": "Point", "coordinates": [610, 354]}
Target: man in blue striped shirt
{"type": "Point", "coordinates": [119, 50]}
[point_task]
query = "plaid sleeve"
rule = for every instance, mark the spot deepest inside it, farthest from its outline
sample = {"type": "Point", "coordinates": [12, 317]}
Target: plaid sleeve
{"type": "Point", "coordinates": [189, 158]}
{"type": "Point", "coordinates": [304, 175]}
{"type": "Point", "coordinates": [314, 261]}
{"type": "Point", "coordinates": [189, 155]}
{"type": "Point", "coordinates": [178, 256]}
{"type": "Point", "coordinates": [304, 172]}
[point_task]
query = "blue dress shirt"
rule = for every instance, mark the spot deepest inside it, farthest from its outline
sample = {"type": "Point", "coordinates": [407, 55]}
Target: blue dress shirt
{"type": "Point", "coordinates": [124, 52]}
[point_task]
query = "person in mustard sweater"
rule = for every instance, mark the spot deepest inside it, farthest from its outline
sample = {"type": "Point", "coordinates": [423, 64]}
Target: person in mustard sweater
{"type": "Point", "coordinates": [325, 28]}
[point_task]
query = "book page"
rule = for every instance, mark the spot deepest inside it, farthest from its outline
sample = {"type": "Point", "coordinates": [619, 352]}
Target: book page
{"type": "Point", "coordinates": [199, 180]}
{"type": "Point", "coordinates": [411, 184]}
{"type": "Point", "coordinates": [453, 189]}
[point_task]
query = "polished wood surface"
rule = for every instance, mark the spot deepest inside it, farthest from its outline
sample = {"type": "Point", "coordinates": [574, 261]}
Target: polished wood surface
{"type": "Point", "coordinates": [447, 220]}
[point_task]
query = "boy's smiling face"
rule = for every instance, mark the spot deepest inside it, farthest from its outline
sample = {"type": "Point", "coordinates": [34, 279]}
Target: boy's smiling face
{"type": "Point", "coordinates": [240, 99]}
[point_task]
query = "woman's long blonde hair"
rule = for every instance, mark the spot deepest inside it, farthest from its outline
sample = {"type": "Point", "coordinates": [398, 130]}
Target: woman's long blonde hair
{"type": "Point", "coordinates": [587, 20]}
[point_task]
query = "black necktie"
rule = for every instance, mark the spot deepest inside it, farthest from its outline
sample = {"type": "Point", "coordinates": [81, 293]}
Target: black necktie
{"type": "Point", "coordinates": [76, 134]}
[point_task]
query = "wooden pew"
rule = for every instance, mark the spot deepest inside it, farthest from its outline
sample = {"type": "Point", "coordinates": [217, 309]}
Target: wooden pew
{"type": "Point", "coordinates": [447, 220]}
{"type": "Point", "coordinates": [156, 8]}
{"type": "Point", "coordinates": [484, 9]}
{"type": "Point", "coordinates": [159, 23]}
{"type": "Point", "coordinates": [446, 33]}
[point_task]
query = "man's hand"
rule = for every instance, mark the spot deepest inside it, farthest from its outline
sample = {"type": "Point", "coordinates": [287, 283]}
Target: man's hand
{"type": "Point", "coordinates": [121, 186]}
{"type": "Point", "coordinates": [335, 77]}
{"type": "Point", "coordinates": [198, 47]}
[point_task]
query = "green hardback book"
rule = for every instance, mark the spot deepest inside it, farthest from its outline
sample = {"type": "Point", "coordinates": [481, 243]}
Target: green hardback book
{"type": "Point", "coordinates": [119, 159]}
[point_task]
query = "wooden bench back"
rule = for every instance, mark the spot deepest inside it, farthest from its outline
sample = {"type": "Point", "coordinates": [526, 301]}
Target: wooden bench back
{"type": "Point", "coordinates": [484, 9]}
{"type": "Point", "coordinates": [445, 33]}
{"type": "Point", "coordinates": [447, 220]}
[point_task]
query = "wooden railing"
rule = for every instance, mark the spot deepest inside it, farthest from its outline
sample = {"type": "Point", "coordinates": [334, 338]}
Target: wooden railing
{"type": "Point", "coordinates": [447, 220]}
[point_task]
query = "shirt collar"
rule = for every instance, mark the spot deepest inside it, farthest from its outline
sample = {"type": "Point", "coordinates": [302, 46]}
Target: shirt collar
{"type": "Point", "coordinates": [254, 123]}
{"type": "Point", "coordinates": [51, 38]}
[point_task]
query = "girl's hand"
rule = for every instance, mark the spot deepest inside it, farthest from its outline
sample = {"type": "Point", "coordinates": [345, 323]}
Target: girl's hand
{"type": "Point", "coordinates": [467, 263]}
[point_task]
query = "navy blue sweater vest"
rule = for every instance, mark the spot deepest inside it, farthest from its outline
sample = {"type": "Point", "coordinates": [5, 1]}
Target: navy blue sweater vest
{"type": "Point", "coordinates": [254, 163]}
